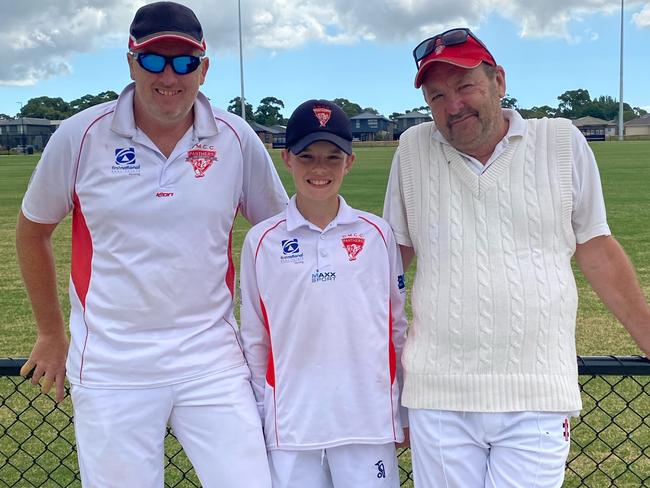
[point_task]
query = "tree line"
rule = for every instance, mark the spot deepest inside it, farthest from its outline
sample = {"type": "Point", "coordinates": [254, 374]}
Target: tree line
{"type": "Point", "coordinates": [572, 104]}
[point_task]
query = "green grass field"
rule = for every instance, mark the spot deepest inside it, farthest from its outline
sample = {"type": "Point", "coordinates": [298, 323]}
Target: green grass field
{"type": "Point", "coordinates": [625, 173]}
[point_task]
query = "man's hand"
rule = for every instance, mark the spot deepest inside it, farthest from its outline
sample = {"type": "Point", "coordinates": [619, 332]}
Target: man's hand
{"type": "Point", "coordinates": [47, 361]}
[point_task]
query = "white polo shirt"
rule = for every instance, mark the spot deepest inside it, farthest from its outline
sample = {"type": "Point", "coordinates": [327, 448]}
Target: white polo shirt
{"type": "Point", "coordinates": [152, 276]}
{"type": "Point", "coordinates": [323, 326]}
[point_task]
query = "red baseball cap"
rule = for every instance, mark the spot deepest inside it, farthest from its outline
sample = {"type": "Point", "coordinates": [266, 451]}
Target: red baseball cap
{"type": "Point", "coordinates": [468, 53]}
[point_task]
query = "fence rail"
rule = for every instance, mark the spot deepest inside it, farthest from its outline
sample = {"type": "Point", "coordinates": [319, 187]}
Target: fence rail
{"type": "Point", "coordinates": [610, 441]}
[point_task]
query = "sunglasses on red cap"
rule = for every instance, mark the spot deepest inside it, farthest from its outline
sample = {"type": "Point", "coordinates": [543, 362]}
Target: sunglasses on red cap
{"type": "Point", "coordinates": [453, 37]}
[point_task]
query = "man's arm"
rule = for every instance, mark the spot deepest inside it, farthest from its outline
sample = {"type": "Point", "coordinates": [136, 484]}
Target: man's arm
{"type": "Point", "coordinates": [610, 273]}
{"type": "Point", "coordinates": [36, 260]}
{"type": "Point", "coordinates": [408, 254]}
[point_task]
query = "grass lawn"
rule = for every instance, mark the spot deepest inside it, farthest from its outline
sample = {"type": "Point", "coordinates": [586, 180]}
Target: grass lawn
{"type": "Point", "coordinates": [28, 421]}
{"type": "Point", "coordinates": [625, 173]}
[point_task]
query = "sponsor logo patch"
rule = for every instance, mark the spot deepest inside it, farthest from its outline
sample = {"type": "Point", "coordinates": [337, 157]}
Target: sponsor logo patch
{"type": "Point", "coordinates": [291, 252]}
{"type": "Point", "coordinates": [353, 244]}
{"type": "Point", "coordinates": [321, 277]}
{"type": "Point", "coordinates": [401, 282]}
{"type": "Point", "coordinates": [125, 162]}
{"type": "Point", "coordinates": [381, 470]}
{"type": "Point", "coordinates": [201, 159]}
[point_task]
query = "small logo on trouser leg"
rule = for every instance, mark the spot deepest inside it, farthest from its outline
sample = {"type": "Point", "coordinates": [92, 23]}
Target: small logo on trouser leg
{"type": "Point", "coordinates": [380, 468]}
{"type": "Point", "coordinates": [567, 431]}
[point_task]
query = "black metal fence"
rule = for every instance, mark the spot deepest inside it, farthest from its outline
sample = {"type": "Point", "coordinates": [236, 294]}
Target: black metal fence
{"type": "Point", "coordinates": [610, 441]}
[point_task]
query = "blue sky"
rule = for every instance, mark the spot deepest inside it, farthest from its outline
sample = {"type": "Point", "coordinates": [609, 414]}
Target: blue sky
{"type": "Point", "coordinates": [359, 50]}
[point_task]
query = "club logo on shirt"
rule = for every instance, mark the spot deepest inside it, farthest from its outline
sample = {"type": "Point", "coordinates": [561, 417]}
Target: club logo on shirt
{"type": "Point", "coordinates": [291, 252]}
{"type": "Point", "coordinates": [201, 159]}
{"type": "Point", "coordinates": [323, 115]}
{"type": "Point", "coordinates": [125, 162]}
{"type": "Point", "coordinates": [321, 277]}
{"type": "Point", "coordinates": [353, 244]}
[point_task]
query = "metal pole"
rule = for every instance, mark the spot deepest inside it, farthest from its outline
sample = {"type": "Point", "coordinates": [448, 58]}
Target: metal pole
{"type": "Point", "coordinates": [22, 126]}
{"type": "Point", "coordinates": [241, 66]}
{"type": "Point", "coordinates": [620, 101]}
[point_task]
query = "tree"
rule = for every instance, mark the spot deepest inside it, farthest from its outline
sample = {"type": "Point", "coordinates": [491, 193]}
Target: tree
{"type": "Point", "coordinates": [46, 108]}
{"type": "Point", "coordinates": [538, 112]}
{"type": "Point", "coordinates": [5, 117]}
{"type": "Point", "coordinates": [573, 103]}
{"type": "Point", "coordinates": [394, 115]}
{"type": "Point", "coordinates": [509, 102]}
{"type": "Point", "coordinates": [234, 107]}
{"type": "Point", "coordinates": [425, 109]}
{"type": "Point", "coordinates": [350, 108]}
{"type": "Point", "coordinates": [268, 111]}
{"type": "Point", "coordinates": [371, 110]}
{"type": "Point", "coordinates": [91, 100]}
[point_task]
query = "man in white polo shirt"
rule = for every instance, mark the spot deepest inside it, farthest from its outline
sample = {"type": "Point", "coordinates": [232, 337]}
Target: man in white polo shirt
{"type": "Point", "coordinates": [154, 181]}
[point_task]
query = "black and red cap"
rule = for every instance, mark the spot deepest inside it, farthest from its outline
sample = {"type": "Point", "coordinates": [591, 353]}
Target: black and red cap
{"type": "Point", "coordinates": [165, 20]}
{"type": "Point", "coordinates": [318, 120]}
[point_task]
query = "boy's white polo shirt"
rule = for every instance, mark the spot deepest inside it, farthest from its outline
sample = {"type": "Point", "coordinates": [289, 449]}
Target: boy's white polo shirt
{"type": "Point", "coordinates": [322, 325]}
{"type": "Point", "coordinates": [152, 278]}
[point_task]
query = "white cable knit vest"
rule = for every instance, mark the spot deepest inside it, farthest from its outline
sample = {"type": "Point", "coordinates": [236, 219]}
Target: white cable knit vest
{"type": "Point", "coordinates": [494, 298]}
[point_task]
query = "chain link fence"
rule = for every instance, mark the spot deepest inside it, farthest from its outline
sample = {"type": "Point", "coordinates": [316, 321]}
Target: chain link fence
{"type": "Point", "coordinates": [610, 441]}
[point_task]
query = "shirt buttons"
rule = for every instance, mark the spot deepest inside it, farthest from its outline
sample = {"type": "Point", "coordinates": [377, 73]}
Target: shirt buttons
{"type": "Point", "coordinates": [322, 237]}
{"type": "Point", "coordinates": [323, 252]}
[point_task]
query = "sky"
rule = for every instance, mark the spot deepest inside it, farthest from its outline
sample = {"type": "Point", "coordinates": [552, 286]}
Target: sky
{"type": "Point", "coordinates": [360, 50]}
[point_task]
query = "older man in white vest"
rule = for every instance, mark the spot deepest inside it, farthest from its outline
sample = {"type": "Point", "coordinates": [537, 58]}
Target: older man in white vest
{"type": "Point", "coordinates": [494, 207]}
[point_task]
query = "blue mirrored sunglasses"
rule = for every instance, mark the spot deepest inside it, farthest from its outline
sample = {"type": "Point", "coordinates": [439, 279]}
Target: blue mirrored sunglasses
{"type": "Point", "coordinates": [155, 63]}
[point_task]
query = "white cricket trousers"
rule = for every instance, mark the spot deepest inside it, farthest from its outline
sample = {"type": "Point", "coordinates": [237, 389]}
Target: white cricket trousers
{"type": "Point", "coordinates": [120, 433]}
{"type": "Point", "coordinates": [347, 466]}
{"type": "Point", "coordinates": [488, 450]}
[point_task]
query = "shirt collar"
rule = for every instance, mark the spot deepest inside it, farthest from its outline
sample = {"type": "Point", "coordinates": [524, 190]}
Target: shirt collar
{"type": "Point", "coordinates": [295, 219]}
{"type": "Point", "coordinates": [124, 120]}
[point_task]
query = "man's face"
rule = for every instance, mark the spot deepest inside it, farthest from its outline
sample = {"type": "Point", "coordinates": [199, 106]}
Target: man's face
{"type": "Point", "coordinates": [166, 98]}
{"type": "Point", "coordinates": [466, 106]}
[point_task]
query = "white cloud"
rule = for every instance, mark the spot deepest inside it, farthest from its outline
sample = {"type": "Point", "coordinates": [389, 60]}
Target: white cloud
{"type": "Point", "coordinates": [642, 18]}
{"type": "Point", "coordinates": [40, 37]}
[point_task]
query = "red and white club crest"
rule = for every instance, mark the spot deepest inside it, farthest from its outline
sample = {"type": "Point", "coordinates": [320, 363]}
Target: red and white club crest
{"type": "Point", "coordinates": [353, 244]}
{"type": "Point", "coordinates": [323, 115]}
{"type": "Point", "coordinates": [201, 160]}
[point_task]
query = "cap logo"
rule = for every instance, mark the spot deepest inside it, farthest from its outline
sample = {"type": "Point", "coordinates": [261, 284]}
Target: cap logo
{"type": "Point", "coordinates": [323, 115]}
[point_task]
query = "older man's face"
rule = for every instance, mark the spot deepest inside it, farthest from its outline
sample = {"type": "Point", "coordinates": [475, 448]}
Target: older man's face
{"type": "Point", "coordinates": [466, 106]}
{"type": "Point", "coordinates": [166, 98]}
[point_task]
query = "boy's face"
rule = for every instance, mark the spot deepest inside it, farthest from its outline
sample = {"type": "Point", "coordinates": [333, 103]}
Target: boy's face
{"type": "Point", "coordinates": [318, 171]}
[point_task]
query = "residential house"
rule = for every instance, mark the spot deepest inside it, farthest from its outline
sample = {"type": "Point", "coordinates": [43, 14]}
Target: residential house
{"type": "Point", "coordinates": [409, 119]}
{"type": "Point", "coordinates": [26, 132]}
{"type": "Point", "coordinates": [595, 129]}
{"type": "Point", "coordinates": [638, 127]}
{"type": "Point", "coordinates": [368, 126]}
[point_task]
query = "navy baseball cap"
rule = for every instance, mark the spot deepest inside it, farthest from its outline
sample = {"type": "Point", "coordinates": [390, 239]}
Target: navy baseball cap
{"type": "Point", "coordinates": [318, 120]}
{"type": "Point", "coordinates": [165, 20]}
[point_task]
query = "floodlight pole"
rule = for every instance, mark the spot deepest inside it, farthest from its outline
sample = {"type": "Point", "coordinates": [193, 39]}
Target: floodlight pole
{"type": "Point", "coordinates": [621, 137]}
{"type": "Point", "coordinates": [22, 126]}
{"type": "Point", "coordinates": [241, 66]}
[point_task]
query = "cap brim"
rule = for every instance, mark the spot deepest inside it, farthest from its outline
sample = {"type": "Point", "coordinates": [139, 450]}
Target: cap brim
{"type": "Point", "coordinates": [343, 144]}
{"type": "Point", "coordinates": [147, 41]}
{"type": "Point", "coordinates": [461, 62]}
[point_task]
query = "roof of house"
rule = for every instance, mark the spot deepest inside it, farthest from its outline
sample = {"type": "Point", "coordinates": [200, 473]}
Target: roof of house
{"type": "Point", "coordinates": [369, 115]}
{"type": "Point", "coordinates": [262, 128]}
{"type": "Point", "coordinates": [588, 120]}
{"type": "Point", "coordinates": [640, 121]}
{"type": "Point", "coordinates": [414, 115]}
